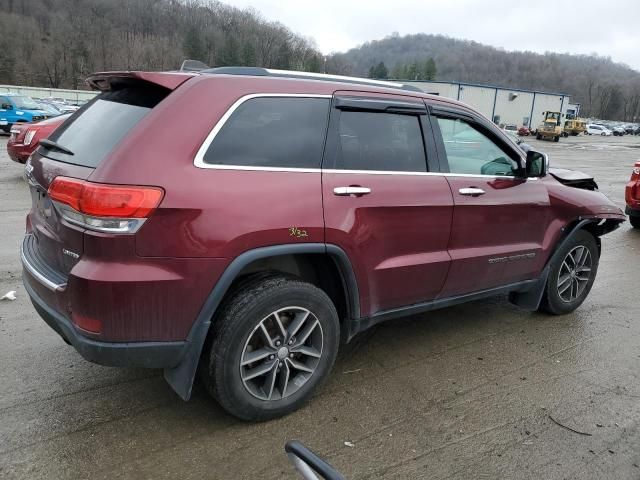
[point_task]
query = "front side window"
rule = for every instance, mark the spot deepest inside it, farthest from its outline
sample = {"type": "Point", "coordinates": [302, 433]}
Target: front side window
{"type": "Point", "coordinates": [380, 141]}
{"type": "Point", "coordinates": [470, 151]}
{"type": "Point", "coordinates": [283, 132]}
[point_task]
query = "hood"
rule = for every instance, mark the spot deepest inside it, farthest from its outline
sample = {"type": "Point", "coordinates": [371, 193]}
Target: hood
{"type": "Point", "coordinates": [574, 178]}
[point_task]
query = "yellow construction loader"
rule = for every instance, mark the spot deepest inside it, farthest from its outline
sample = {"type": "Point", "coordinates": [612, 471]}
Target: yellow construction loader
{"type": "Point", "coordinates": [550, 126]}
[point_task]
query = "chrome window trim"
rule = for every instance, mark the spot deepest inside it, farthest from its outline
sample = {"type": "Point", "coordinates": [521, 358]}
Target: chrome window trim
{"type": "Point", "coordinates": [199, 162]}
{"type": "Point", "coordinates": [359, 172]}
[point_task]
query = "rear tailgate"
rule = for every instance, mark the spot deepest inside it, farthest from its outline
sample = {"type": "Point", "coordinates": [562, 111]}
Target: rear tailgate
{"type": "Point", "coordinates": [79, 146]}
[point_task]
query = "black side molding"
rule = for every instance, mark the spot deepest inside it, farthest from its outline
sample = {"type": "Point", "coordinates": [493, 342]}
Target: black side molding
{"type": "Point", "coordinates": [181, 376]}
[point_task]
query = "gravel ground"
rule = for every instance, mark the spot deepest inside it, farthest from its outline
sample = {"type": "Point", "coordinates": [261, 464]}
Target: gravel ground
{"type": "Point", "coordinates": [466, 392]}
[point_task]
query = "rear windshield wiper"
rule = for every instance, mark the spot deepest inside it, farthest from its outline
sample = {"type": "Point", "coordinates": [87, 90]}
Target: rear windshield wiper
{"type": "Point", "coordinates": [51, 145]}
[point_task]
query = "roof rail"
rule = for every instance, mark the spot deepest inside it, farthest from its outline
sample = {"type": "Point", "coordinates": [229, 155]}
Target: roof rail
{"type": "Point", "coordinates": [268, 72]}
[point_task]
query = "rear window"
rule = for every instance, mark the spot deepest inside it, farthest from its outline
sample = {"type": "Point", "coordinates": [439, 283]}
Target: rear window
{"type": "Point", "coordinates": [272, 132]}
{"type": "Point", "coordinates": [99, 126]}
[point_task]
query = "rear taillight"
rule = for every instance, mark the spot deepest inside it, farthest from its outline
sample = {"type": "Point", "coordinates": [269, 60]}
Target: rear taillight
{"type": "Point", "coordinates": [28, 137]}
{"type": "Point", "coordinates": [103, 207]}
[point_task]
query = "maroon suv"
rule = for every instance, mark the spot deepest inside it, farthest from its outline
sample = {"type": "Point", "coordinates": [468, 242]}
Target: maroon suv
{"type": "Point", "coordinates": [247, 221]}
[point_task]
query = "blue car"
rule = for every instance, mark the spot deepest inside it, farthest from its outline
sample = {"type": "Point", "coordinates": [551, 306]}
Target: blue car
{"type": "Point", "coordinates": [15, 108]}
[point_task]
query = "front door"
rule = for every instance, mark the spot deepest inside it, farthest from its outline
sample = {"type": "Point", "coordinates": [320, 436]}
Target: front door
{"type": "Point", "coordinates": [381, 205]}
{"type": "Point", "coordinates": [499, 218]}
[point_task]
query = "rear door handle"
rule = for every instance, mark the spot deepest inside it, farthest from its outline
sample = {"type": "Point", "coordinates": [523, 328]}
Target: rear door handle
{"type": "Point", "coordinates": [471, 192]}
{"type": "Point", "coordinates": [346, 191]}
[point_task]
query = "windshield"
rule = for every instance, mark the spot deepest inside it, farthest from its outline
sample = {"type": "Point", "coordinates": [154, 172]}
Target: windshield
{"type": "Point", "coordinates": [24, 103]}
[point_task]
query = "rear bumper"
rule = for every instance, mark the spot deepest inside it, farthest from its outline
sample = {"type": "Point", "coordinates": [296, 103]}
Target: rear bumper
{"type": "Point", "coordinates": [18, 153]}
{"type": "Point", "coordinates": [632, 212]}
{"type": "Point", "coordinates": [133, 354]}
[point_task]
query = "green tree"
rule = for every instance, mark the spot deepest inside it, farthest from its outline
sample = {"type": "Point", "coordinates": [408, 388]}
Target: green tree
{"type": "Point", "coordinates": [397, 72]}
{"type": "Point", "coordinates": [248, 55]}
{"type": "Point", "coordinates": [382, 71]}
{"type": "Point", "coordinates": [430, 70]}
{"type": "Point", "coordinates": [314, 64]}
{"type": "Point", "coordinates": [193, 45]}
{"type": "Point", "coordinates": [411, 71]}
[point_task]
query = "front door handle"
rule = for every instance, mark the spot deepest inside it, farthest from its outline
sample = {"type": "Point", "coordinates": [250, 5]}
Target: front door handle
{"type": "Point", "coordinates": [347, 191]}
{"type": "Point", "coordinates": [471, 192]}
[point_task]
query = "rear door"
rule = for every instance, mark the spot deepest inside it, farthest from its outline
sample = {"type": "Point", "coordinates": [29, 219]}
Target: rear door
{"type": "Point", "coordinates": [499, 218]}
{"type": "Point", "coordinates": [381, 204]}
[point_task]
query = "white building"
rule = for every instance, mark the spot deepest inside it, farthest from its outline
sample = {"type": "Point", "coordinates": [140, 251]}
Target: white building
{"type": "Point", "coordinates": [502, 105]}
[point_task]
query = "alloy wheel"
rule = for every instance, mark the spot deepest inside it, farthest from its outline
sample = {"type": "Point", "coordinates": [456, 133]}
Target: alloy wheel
{"type": "Point", "coordinates": [574, 274]}
{"type": "Point", "coordinates": [281, 353]}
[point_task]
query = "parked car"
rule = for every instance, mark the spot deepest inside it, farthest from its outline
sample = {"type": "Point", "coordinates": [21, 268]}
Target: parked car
{"type": "Point", "coordinates": [61, 104]}
{"type": "Point", "coordinates": [248, 221]}
{"type": "Point", "coordinates": [632, 196]}
{"type": "Point", "coordinates": [25, 137]}
{"type": "Point", "coordinates": [630, 129]}
{"type": "Point", "coordinates": [16, 108]}
{"type": "Point", "coordinates": [598, 130]}
{"type": "Point", "coordinates": [524, 131]}
{"type": "Point", "coordinates": [618, 131]}
{"type": "Point", "coordinates": [49, 108]}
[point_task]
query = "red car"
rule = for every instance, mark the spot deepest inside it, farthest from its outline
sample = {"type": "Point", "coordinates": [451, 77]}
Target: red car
{"type": "Point", "coordinates": [25, 137]}
{"type": "Point", "coordinates": [632, 196]}
{"type": "Point", "coordinates": [524, 131]}
{"type": "Point", "coordinates": [248, 221]}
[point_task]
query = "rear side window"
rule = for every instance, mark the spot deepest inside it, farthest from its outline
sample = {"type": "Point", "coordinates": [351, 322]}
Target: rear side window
{"type": "Point", "coordinates": [99, 126]}
{"type": "Point", "coordinates": [272, 132]}
{"type": "Point", "coordinates": [380, 141]}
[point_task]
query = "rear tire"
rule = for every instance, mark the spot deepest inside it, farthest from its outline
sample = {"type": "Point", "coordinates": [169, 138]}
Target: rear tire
{"type": "Point", "coordinates": [635, 222]}
{"type": "Point", "coordinates": [572, 275]}
{"type": "Point", "coordinates": [280, 326]}
{"type": "Point", "coordinates": [556, 138]}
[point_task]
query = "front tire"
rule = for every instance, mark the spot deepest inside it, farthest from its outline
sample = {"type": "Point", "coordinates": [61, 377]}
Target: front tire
{"type": "Point", "coordinates": [572, 275]}
{"type": "Point", "coordinates": [274, 341]}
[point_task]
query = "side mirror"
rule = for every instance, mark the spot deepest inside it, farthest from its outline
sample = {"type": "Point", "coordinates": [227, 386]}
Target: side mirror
{"type": "Point", "coordinates": [308, 464]}
{"type": "Point", "coordinates": [537, 164]}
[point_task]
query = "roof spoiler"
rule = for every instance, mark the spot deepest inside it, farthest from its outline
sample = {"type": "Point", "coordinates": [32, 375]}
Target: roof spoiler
{"type": "Point", "coordinates": [104, 81]}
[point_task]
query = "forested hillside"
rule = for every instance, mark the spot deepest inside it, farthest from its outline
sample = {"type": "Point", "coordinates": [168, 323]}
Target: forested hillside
{"type": "Point", "coordinates": [606, 89]}
{"type": "Point", "coordinates": [58, 43]}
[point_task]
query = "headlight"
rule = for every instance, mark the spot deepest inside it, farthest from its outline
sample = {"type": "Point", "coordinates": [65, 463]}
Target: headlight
{"type": "Point", "coordinates": [28, 137]}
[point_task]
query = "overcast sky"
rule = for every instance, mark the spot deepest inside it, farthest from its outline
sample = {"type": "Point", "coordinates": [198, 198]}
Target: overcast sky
{"type": "Point", "coordinates": [609, 28]}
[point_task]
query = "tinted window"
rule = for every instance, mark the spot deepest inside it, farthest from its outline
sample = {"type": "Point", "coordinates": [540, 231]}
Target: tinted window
{"type": "Point", "coordinates": [272, 132]}
{"type": "Point", "coordinates": [471, 151]}
{"type": "Point", "coordinates": [98, 127]}
{"type": "Point", "coordinates": [380, 141]}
